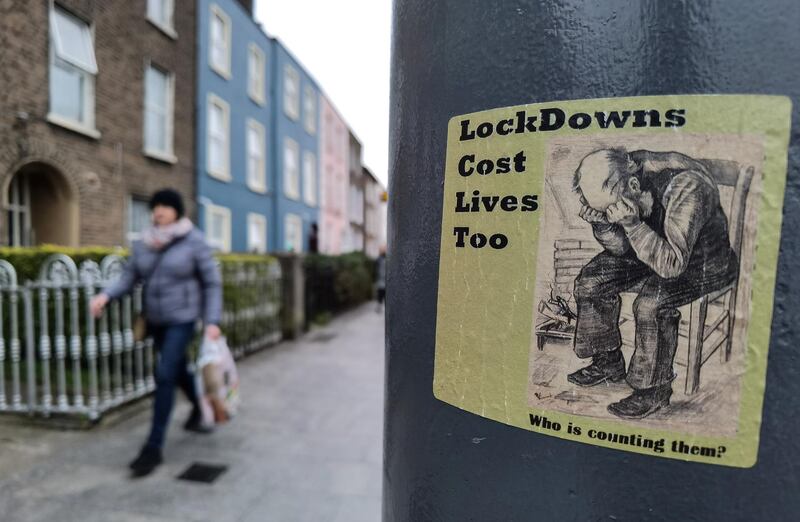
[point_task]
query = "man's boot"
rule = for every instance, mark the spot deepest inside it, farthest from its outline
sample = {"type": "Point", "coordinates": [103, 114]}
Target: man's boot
{"type": "Point", "coordinates": [642, 403]}
{"type": "Point", "coordinates": [608, 366]}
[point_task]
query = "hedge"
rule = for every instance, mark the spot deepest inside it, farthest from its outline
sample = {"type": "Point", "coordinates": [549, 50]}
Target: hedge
{"type": "Point", "coordinates": [335, 283]}
{"type": "Point", "coordinates": [28, 261]}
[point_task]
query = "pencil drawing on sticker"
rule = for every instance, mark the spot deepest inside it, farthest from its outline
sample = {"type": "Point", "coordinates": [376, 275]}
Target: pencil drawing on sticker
{"type": "Point", "coordinates": [644, 276]}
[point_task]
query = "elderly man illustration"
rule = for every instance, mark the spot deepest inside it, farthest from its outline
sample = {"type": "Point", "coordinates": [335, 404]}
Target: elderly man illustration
{"type": "Point", "coordinates": [664, 233]}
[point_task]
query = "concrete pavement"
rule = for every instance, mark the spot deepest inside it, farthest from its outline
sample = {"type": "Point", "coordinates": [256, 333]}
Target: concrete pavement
{"type": "Point", "coordinates": [307, 446]}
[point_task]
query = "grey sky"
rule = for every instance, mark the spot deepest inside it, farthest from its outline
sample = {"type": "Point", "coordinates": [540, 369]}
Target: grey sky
{"type": "Point", "coordinates": [345, 45]}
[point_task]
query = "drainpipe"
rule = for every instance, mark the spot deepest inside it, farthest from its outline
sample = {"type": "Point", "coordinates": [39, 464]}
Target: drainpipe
{"type": "Point", "coordinates": [443, 463]}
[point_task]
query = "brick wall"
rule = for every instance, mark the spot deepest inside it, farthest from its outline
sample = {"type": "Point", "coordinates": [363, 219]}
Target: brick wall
{"type": "Point", "coordinates": [102, 172]}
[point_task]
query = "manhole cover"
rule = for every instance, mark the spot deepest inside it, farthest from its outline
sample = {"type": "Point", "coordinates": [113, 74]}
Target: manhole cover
{"type": "Point", "coordinates": [206, 473]}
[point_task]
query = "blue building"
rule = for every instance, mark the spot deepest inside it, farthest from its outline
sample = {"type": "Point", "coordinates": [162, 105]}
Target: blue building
{"type": "Point", "coordinates": [235, 115]}
{"type": "Point", "coordinates": [295, 151]}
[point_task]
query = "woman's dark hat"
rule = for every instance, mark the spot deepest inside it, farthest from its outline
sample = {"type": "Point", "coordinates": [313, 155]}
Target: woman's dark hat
{"type": "Point", "coordinates": [168, 198]}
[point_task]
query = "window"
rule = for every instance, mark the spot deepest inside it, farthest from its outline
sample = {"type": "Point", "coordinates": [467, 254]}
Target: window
{"type": "Point", "coordinates": [256, 233]}
{"type": "Point", "coordinates": [255, 74]}
{"type": "Point", "coordinates": [158, 113]}
{"type": "Point", "coordinates": [293, 232]}
{"type": "Point", "coordinates": [309, 178]}
{"type": "Point", "coordinates": [218, 156]}
{"type": "Point", "coordinates": [20, 230]}
{"type": "Point", "coordinates": [331, 134]}
{"type": "Point", "coordinates": [355, 157]}
{"type": "Point", "coordinates": [309, 110]}
{"type": "Point", "coordinates": [356, 204]}
{"type": "Point", "coordinates": [160, 13]}
{"type": "Point", "coordinates": [291, 92]}
{"type": "Point", "coordinates": [220, 44]}
{"type": "Point", "coordinates": [256, 152]}
{"type": "Point", "coordinates": [218, 227]}
{"type": "Point", "coordinates": [291, 169]}
{"type": "Point", "coordinates": [72, 73]}
{"type": "Point", "coordinates": [138, 218]}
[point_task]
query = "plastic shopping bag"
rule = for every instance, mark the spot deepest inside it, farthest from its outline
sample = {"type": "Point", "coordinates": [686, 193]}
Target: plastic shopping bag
{"type": "Point", "coordinates": [206, 411]}
{"type": "Point", "coordinates": [218, 381]}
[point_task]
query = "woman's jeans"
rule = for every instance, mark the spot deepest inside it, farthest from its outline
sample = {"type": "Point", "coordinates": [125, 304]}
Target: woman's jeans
{"type": "Point", "coordinates": [171, 342]}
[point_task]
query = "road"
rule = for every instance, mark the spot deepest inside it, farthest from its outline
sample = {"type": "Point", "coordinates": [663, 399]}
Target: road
{"type": "Point", "coordinates": [307, 446]}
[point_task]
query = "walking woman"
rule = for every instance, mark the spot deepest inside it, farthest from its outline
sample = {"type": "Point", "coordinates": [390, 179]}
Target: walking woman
{"type": "Point", "coordinates": [182, 284]}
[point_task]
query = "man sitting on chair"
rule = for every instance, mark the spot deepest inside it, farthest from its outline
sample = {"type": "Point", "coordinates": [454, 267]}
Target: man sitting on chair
{"type": "Point", "coordinates": [664, 233]}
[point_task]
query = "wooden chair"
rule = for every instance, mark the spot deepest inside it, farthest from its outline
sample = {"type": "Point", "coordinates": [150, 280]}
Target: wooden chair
{"type": "Point", "coordinates": [701, 328]}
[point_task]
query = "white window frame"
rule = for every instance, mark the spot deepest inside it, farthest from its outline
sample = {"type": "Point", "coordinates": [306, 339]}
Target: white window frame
{"type": "Point", "coordinates": [222, 244]}
{"type": "Point", "coordinates": [291, 107]}
{"type": "Point", "coordinates": [296, 220]}
{"type": "Point", "coordinates": [309, 179]}
{"type": "Point", "coordinates": [88, 70]}
{"type": "Point", "coordinates": [261, 221]}
{"type": "Point", "coordinates": [292, 191]}
{"type": "Point", "coordinates": [256, 80]}
{"type": "Point", "coordinates": [168, 26]}
{"type": "Point", "coordinates": [20, 228]}
{"type": "Point", "coordinates": [133, 235]}
{"type": "Point", "coordinates": [167, 155]}
{"type": "Point", "coordinates": [225, 173]}
{"type": "Point", "coordinates": [310, 109]}
{"type": "Point", "coordinates": [257, 182]}
{"type": "Point", "coordinates": [223, 70]}
{"type": "Point", "coordinates": [356, 204]}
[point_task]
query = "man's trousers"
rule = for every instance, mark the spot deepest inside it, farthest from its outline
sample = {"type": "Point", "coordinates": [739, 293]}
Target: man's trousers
{"type": "Point", "coordinates": [597, 294]}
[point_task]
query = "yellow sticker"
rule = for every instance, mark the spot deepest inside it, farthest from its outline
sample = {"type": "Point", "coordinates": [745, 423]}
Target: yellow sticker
{"type": "Point", "coordinates": [607, 270]}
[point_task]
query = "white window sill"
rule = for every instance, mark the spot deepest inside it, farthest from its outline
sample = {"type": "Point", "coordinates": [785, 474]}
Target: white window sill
{"type": "Point", "coordinates": [219, 246]}
{"type": "Point", "coordinates": [257, 188]}
{"type": "Point", "coordinates": [169, 31]}
{"type": "Point", "coordinates": [312, 204]}
{"type": "Point", "coordinates": [222, 176]}
{"type": "Point", "coordinates": [166, 157]}
{"type": "Point", "coordinates": [292, 116]}
{"type": "Point", "coordinates": [295, 197]}
{"type": "Point", "coordinates": [311, 132]}
{"type": "Point", "coordinates": [74, 126]}
{"type": "Point", "coordinates": [222, 72]}
{"type": "Point", "coordinates": [258, 100]}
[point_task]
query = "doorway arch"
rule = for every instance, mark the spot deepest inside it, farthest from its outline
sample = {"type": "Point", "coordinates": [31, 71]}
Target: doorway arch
{"type": "Point", "coordinates": [41, 207]}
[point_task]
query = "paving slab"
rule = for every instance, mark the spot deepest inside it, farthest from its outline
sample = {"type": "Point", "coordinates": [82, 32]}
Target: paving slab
{"type": "Point", "coordinates": [306, 446]}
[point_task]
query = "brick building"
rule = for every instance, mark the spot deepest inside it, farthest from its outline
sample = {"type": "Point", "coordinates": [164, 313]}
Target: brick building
{"type": "Point", "coordinates": [334, 148]}
{"type": "Point", "coordinates": [354, 238]}
{"type": "Point", "coordinates": [96, 112]}
{"type": "Point", "coordinates": [373, 215]}
{"type": "Point", "coordinates": [236, 185]}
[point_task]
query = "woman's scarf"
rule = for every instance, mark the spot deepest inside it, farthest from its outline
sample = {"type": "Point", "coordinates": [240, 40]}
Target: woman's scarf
{"type": "Point", "coordinates": [157, 237]}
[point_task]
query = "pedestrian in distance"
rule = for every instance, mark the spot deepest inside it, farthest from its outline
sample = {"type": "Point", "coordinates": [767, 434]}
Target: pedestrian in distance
{"type": "Point", "coordinates": [380, 278]}
{"type": "Point", "coordinates": [181, 285]}
{"type": "Point", "coordinates": [313, 239]}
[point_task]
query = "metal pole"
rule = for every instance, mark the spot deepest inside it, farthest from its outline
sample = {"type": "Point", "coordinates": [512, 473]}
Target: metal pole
{"type": "Point", "coordinates": [454, 58]}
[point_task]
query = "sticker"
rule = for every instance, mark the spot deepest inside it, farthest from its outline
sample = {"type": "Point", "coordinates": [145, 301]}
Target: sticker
{"type": "Point", "coordinates": [607, 270]}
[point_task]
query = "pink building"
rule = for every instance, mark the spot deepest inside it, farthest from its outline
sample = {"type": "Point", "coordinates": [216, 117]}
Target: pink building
{"type": "Point", "coordinates": [334, 181]}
